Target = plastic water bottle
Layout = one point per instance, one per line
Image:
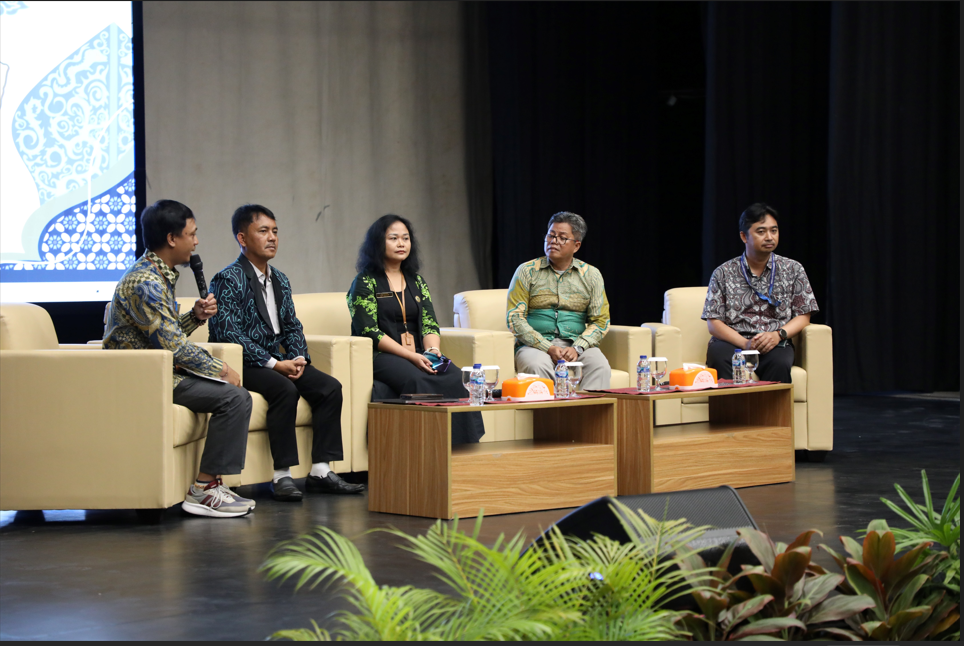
(643, 381)
(739, 367)
(562, 379)
(477, 385)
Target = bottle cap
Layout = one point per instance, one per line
(476, 366)
(739, 350)
(560, 361)
(642, 356)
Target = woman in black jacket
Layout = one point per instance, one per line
(390, 304)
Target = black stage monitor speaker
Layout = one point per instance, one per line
(720, 507)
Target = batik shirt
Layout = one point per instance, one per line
(143, 316)
(737, 303)
(536, 286)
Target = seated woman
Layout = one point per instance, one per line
(390, 304)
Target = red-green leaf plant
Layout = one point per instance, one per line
(791, 598)
(905, 607)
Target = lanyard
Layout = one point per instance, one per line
(773, 272)
(401, 303)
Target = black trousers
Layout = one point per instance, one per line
(403, 377)
(323, 394)
(774, 365)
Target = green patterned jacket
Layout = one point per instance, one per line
(143, 316)
(368, 320)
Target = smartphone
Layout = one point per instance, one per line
(439, 364)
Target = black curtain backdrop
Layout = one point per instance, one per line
(478, 135)
(579, 125)
(844, 117)
(767, 98)
(894, 196)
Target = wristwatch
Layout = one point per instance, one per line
(783, 334)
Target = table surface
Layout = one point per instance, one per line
(689, 394)
(593, 400)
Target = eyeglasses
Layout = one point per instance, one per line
(552, 237)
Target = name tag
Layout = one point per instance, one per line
(384, 295)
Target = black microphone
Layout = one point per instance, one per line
(198, 268)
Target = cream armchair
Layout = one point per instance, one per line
(85, 428)
(327, 327)
(480, 328)
(330, 354)
(682, 337)
(485, 309)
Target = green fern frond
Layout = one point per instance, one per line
(302, 635)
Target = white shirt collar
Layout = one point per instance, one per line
(260, 274)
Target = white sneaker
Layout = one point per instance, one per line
(212, 502)
(234, 494)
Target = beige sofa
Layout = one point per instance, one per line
(327, 325)
(332, 353)
(682, 337)
(85, 428)
(98, 417)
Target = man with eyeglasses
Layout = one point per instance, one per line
(557, 307)
(757, 301)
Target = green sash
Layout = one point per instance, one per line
(546, 322)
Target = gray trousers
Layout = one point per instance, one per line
(230, 408)
(595, 371)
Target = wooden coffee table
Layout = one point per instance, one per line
(414, 470)
(747, 441)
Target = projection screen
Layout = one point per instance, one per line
(66, 150)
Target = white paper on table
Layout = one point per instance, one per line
(689, 366)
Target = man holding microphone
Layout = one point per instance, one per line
(144, 315)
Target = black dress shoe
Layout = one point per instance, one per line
(286, 491)
(331, 483)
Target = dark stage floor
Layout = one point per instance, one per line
(101, 575)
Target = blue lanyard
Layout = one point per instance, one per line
(773, 272)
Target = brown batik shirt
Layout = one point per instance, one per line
(731, 299)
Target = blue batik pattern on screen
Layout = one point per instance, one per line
(94, 242)
(8, 8)
(74, 132)
(79, 121)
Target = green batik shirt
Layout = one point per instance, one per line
(363, 308)
(143, 316)
(536, 286)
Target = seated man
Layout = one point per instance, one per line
(557, 308)
(143, 315)
(757, 301)
(257, 312)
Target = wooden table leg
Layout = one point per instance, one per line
(410, 458)
(634, 446)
